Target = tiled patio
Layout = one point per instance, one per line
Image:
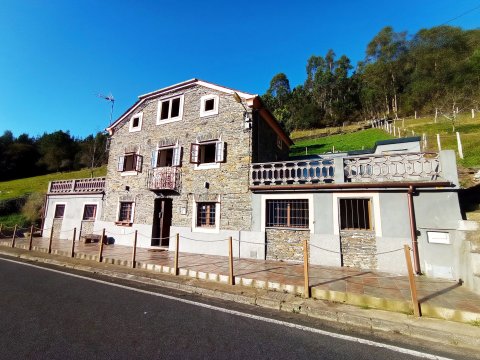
(366, 288)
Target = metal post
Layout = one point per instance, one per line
(50, 241)
(413, 230)
(100, 253)
(230, 262)
(72, 253)
(306, 282)
(175, 264)
(134, 252)
(411, 279)
(13, 236)
(31, 239)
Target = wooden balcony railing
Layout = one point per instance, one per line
(395, 167)
(77, 186)
(292, 172)
(164, 178)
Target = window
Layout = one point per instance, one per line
(166, 157)
(89, 212)
(208, 105)
(170, 110)
(209, 152)
(59, 211)
(125, 213)
(355, 214)
(136, 122)
(206, 214)
(287, 213)
(130, 162)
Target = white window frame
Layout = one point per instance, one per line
(132, 216)
(201, 229)
(203, 100)
(175, 148)
(138, 158)
(374, 216)
(169, 119)
(96, 211)
(138, 116)
(55, 210)
(211, 165)
(311, 215)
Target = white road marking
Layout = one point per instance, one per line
(246, 315)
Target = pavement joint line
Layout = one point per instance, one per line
(375, 323)
(247, 315)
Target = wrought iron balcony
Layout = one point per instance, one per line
(164, 178)
(77, 186)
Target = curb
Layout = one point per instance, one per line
(376, 322)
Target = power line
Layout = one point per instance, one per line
(459, 16)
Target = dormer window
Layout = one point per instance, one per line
(209, 105)
(170, 110)
(136, 122)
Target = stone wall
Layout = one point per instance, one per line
(358, 249)
(87, 228)
(264, 143)
(57, 228)
(285, 244)
(228, 183)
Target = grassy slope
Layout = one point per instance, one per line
(342, 142)
(16, 188)
(468, 128)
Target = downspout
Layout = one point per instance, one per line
(413, 230)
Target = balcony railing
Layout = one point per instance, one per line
(362, 168)
(164, 178)
(77, 186)
(396, 167)
(292, 172)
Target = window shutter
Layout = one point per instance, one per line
(153, 163)
(194, 153)
(121, 163)
(177, 153)
(139, 162)
(220, 151)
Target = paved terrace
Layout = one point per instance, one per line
(438, 298)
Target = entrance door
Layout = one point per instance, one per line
(162, 220)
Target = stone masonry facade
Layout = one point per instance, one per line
(285, 244)
(228, 183)
(358, 249)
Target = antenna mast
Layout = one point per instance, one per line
(112, 101)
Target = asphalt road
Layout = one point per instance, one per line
(50, 315)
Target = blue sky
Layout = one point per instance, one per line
(55, 56)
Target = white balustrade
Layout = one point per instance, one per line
(87, 185)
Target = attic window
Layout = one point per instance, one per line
(209, 105)
(170, 110)
(136, 122)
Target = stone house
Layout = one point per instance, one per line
(208, 162)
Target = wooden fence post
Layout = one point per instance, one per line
(50, 241)
(1, 226)
(459, 145)
(134, 252)
(231, 279)
(411, 279)
(30, 240)
(14, 235)
(72, 253)
(306, 282)
(438, 143)
(175, 263)
(100, 253)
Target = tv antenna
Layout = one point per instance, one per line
(112, 101)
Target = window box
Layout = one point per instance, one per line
(170, 110)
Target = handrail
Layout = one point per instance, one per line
(86, 185)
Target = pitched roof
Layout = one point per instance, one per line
(179, 86)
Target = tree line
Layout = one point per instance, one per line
(435, 71)
(26, 156)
